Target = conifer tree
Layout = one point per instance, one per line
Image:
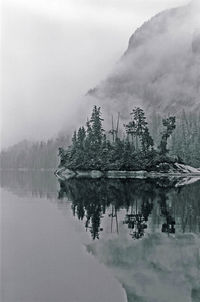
(61, 153)
(74, 138)
(81, 138)
(146, 140)
(140, 123)
(170, 124)
(137, 125)
(130, 129)
(96, 127)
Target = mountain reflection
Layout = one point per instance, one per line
(146, 205)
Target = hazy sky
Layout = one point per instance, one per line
(53, 51)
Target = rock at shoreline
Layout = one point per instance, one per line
(126, 174)
(162, 170)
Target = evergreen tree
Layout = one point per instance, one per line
(140, 123)
(105, 150)
(137, 125)
(81, 138)
(130, 129)
(170, 124)
(96, 128)
(127, 159)
(74, 139)
(146, 140)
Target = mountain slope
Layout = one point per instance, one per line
(160, 69)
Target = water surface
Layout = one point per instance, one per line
(98, 240)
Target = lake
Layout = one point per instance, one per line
(86, 240)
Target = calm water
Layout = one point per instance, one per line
(98, 240)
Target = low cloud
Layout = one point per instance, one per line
(53, 52)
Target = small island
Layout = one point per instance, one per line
(121, 153)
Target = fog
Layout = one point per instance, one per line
(160, 70)
(54, 51)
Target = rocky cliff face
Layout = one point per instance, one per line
(160, 69)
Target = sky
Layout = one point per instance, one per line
(54, 51)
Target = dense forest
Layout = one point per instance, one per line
(183, 143)
(131, 149)
(33, 155)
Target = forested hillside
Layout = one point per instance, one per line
(29, 155)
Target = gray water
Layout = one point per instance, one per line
(98, 240)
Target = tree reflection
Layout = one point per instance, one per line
(137, 220)
(146, 202)
(113, 216)
(169, 225)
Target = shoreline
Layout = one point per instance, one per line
(64, 174)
